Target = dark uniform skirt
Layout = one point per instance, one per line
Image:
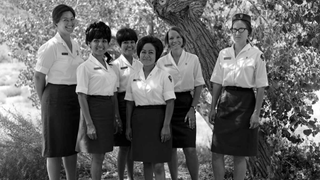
(231, 134)
(120, 139)
(60, 114)
(147, 122)
(101, 110)
(182, 135)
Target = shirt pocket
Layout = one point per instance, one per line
(62, 61)
(248, 66)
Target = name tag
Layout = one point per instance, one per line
(97, 68)
(65, 53)
(227, 58)
(136, 79)
(125, 67)
(168, 65)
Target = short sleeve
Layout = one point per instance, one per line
(129, 96)
(198, 78)
(82, 79)
(261, 76)
(168, 87)
(45, 58)
(217, 74)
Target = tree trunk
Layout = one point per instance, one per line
(186, 14)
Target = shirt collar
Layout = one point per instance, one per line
(124, 59)
(96, 62)
(247, 47)
(152, 73)
(182, 57)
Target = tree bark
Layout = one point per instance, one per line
(186, 14)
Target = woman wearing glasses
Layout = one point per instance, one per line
(238, 70)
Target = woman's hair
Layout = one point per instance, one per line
(179, 31)
(152, 40)
(59, 10)
(98, 30)
(246, 19)
(126, 34)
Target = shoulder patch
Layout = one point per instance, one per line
(170, 78)
(262, 57)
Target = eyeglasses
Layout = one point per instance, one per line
(66, 20)
(240, 30)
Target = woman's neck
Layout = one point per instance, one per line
(147, 70)
(176, 54)
(100, 59)
(129, 58)
(238, 47)
(65, 36)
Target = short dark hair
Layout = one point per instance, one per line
(245, 18)
(98, 30)
(179, 31)
(59, 10)
(152, 40)
(126, 34)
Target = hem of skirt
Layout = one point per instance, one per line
(122, 145)
(59, 155)
(235, 154)
(148, 161)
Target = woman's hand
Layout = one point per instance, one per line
(91, 132)
(212, 116)
(117, 125)
(129, 133)
(191, 117)
(254, 121)
(165, 134)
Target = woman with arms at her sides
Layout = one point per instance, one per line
(185, 69)
(124, 66)
(238, 70)
(150, 100)
(55, 82)
(97, 83)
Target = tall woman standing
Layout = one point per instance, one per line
(185, 69)
(96, 88)
(55, 82)
(239, 69)
(150, 100)
(124, 66)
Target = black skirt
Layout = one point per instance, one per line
(182, 135)
(147, 123)
(231, 134)
(120, 138)
(60, 114)
(101, 110)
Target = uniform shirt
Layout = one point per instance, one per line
(247, 70)
(186, 74)
(95, 79)
(55, 59)
(155, 90)
(124, 69)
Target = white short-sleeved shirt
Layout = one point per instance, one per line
(55, 59)
(187, 74)
(247, 70)
(157, 88)
(95, 79)
(124, 69)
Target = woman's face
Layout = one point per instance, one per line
(148, 55)
(66, 23)
(240, 32)
(128, 47)
(175, 40)
(99, 47)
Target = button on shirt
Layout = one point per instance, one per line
(55, 59)
(124, 69)
(186, 74)
(95, 79)
(155, 90)
(247, 70)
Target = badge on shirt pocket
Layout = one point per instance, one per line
(125, 67)
(168, 65)
(136, 79)
(97, 68)
(64, 53)
(227, 58)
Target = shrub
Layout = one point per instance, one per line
(12, 91)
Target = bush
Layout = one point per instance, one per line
(12, 91)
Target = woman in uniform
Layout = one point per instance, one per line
(124, 66)
(55, 83)
(238, 70)
(185, 69)
(97, 83)
(150, 100)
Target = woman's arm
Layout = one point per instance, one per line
(130, 105)
(91, 130)
(40, 83)
(117, 119)
(255, 118)
(165, 132)
(216, 91)
(191, 113)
